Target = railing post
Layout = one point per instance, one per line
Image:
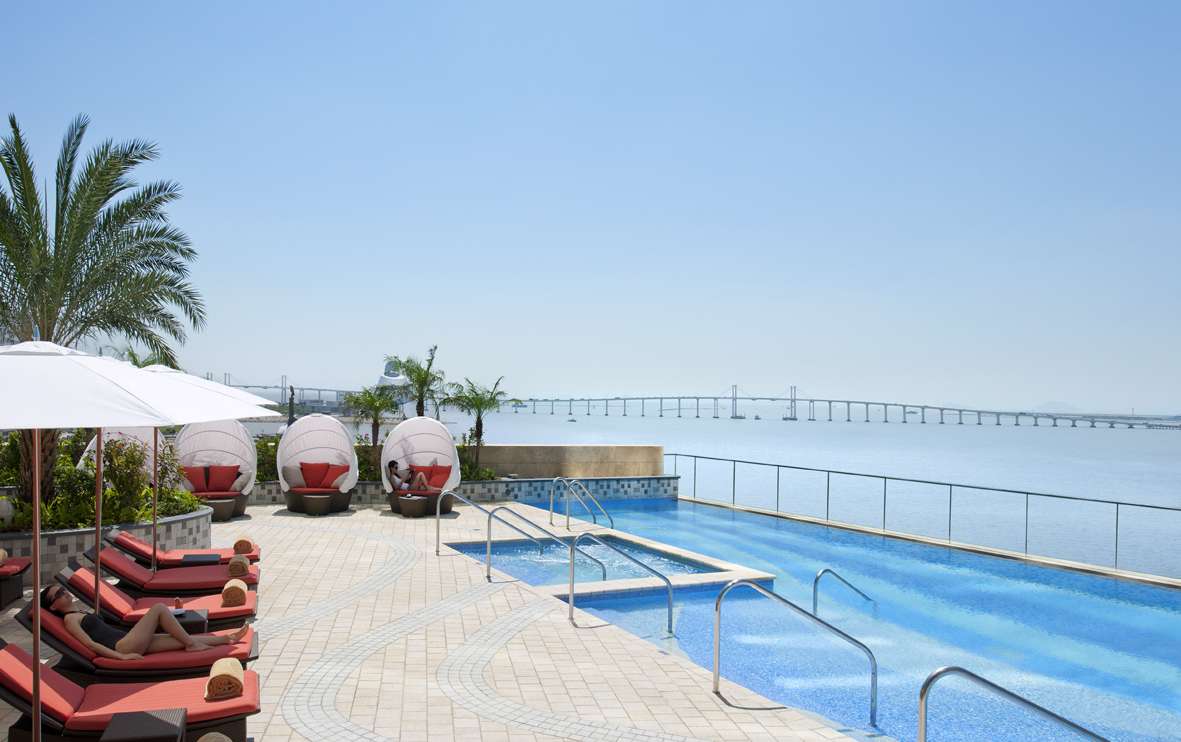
(777, 470)
(1117, 535)
(827, 493)
(884, 481)
(949, 513)
(1027, 523)
(694, 477)
(733, 482)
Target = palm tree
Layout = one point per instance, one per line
(373, 403)
(477, 400)
(137, 359)
(425, 383)
(105, 263)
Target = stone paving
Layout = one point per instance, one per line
(367, 635)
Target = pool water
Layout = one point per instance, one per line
(550, 565)
(1103, 652)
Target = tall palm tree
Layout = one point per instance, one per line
(139, 360)
(424, 381)
(106, 262)
(373, 403)
(477, 400)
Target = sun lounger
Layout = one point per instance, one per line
(79, 659)
(179, 581)
(120, 608)
(70, 711)
(141, 551)
(12, 579)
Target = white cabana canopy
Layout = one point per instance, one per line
(312, 439)
(420, 441)
(223, 443)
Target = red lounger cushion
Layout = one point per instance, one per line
(335, 471)
(59, 696)
(196, 477)
(313, 473)
(101, 701)
(222, 478)
(14, 566)
(82, 581)
(211, 603)
(313, 490)
(180, 658)
(143, 550)
(212, 577)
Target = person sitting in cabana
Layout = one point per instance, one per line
(410, 480)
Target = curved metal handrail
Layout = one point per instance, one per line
(834, 573)
(595, 500)
(570, 597)
(438, 512)
(551, 536)
(873, 662)
(551, 496)
(1003, 692)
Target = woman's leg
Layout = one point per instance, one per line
(158, 618)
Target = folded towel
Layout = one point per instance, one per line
(226, 680)
(214, 737)
(239, 566)
(233, 594)
(243, 546)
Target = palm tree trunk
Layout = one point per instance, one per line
(49, 441)
(420, 406)
(373, 442)
(479, 438)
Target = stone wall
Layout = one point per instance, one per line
(188, 531)
(604, 488)
(576, 460)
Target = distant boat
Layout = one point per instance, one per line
(572, 420)
(519, 405)
(758, 418)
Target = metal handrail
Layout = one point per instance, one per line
(873, 662)
(551, 497)
(1003, 692)
(667, 582)
(833, 572)
(438, 512)
(560, 542)
(569, 491)
(593, 499)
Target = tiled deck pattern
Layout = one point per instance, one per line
(367, 635)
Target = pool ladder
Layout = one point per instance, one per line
(492, 515)
(572, 488)
(667, 582)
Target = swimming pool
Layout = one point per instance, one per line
(1103, 652)
(550, 565)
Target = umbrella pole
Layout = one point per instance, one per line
(98, 514)
(37, 585)
(155, 488)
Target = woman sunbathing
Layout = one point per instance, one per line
(133, 644)
(413, 480)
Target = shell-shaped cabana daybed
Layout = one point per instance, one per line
(316, 447)
(421, 444)
(219, 460)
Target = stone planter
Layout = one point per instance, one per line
(188, 531)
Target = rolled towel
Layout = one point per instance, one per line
(214, 737)
(226, 680)
(243, 546)
(233, 594)
(3, 556)
(239, 566)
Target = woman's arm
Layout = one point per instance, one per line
(74, 626)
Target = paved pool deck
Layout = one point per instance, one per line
(366, 634)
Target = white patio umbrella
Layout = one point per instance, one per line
(197, 381)
(46, 386)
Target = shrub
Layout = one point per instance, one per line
(172, 501)
(265, 446)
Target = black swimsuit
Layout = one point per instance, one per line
(100, 631)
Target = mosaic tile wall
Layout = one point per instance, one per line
(604, 488)
(188, 531)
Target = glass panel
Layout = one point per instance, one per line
(988, 518)
(755, 486)
(1148, 540)
(801, 492)
(921, 509)
(1069, 529)
(856, 500)
(714, 479)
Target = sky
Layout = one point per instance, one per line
(958, 203)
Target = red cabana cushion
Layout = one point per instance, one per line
(221, 478)
(196, 477)
(101, 701)
(14, 566)
(313, 473)
(60, 698)
(334, 473)
(438, 476)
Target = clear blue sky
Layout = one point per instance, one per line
(945, 202)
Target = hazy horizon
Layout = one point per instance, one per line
(969, 203)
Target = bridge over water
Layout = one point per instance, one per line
(830, 410)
